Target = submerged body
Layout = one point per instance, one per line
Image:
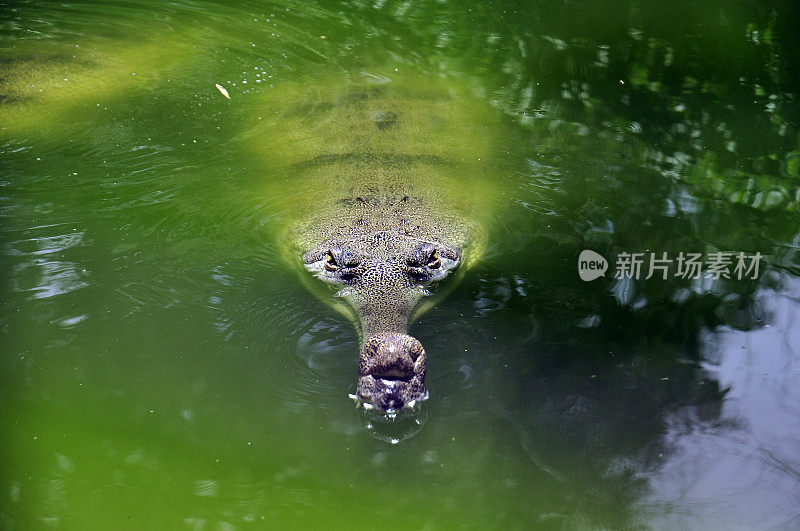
(47, 85)
(387, 177)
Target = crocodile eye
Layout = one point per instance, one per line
(434, 261)
(330, 262)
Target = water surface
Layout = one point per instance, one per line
(163, 364)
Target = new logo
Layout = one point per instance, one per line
(591, 265)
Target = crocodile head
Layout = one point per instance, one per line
(383, 276)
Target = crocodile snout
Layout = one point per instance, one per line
(391, 370)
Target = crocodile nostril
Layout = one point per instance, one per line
(390, 357)
(397, 371)
(391, 370)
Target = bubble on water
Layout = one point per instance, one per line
(392, 427)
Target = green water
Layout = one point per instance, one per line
(163, 366)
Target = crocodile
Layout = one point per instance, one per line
(387, 177)
(48, 85)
